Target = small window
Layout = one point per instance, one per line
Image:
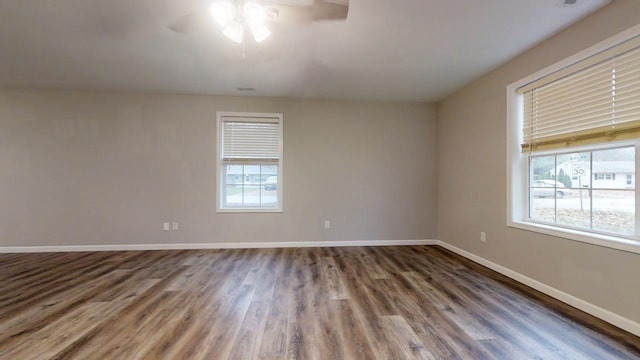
(249, 162)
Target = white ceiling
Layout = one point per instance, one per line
(407, 50)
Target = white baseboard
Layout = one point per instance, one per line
(191, 246)
(606, 315)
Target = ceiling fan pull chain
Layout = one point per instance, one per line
(243, 51)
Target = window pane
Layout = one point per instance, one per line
(614, 168)
(543, 167)
(542, 205)
(573, 208)
(614, 211)
(252, 195)
(542, 208)
(573, 205)
(234, 185)
(573, 171)
(251, 186)
(270, 186)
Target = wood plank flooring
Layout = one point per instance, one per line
(415, 302)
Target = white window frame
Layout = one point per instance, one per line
(518, 167)
(221, 175)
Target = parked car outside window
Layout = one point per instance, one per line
(549, 188)
(271, 183)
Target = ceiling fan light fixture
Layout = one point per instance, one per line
(260, 32)
(254, 13)
(234, 31)
(233, 19)
(223, 12)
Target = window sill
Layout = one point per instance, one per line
(611, 242)
(249, 210)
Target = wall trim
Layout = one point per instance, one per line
(603, 314)
(195, 246)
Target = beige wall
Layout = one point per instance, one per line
(472, 179)
(100, 168)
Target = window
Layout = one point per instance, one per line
(574, 132)
(604, 176)
(603, 206)
(249, 162)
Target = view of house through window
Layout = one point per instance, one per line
(587, 190)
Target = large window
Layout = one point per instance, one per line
(249, 162)
(574, 137)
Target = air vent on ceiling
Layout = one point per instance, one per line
(246, 89)
(567, 2)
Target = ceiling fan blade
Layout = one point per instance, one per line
(320, 10)
(292, 14)
(297, 12)
(330, 10)
(190, 23)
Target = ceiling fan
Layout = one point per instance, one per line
(234, 16)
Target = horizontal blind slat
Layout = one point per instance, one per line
(598, 98)
(603, 75)
(622, 49)
(251, 139)
(549, 114)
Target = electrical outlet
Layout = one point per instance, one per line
(165, 226)
(327, 224)
(174, 226)
(483, 236)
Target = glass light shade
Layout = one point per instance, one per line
(260, 32)
(234, 31)
(223, 12)
(254, 13)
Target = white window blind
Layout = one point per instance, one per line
(251, 140)
(593, 101)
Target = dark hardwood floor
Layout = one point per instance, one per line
(322, 303)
